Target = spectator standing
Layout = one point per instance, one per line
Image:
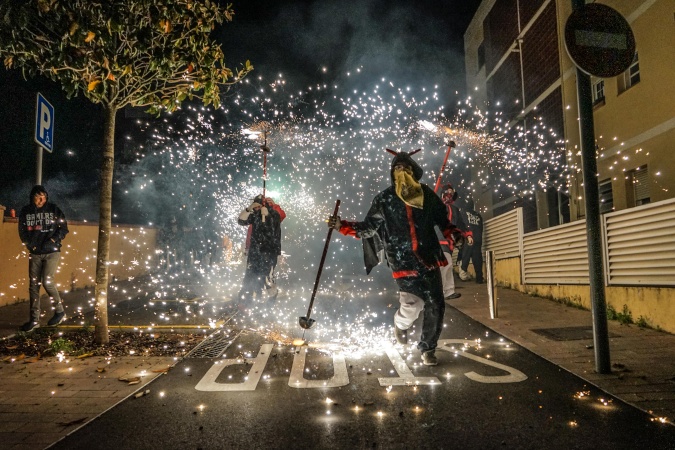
(474, 253)
(42, 227)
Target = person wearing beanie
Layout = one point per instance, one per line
(42, 227)
(403, 218)
(263, 217)
(449, 195)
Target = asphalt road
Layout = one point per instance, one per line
(349, 387)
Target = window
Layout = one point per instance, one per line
(630, 77)
(638, 180)
(606, 196)
(598, 86)
(481, 55)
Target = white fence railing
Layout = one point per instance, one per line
(557, 255)
(638, 247)
(504, 234)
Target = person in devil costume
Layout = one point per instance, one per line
(264, 247)
(402, 218)
(449, 195)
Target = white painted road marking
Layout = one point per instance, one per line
(340, 375)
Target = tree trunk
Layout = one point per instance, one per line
(104, 222)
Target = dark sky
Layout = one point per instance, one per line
(418, 42)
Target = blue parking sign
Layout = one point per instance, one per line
(44, 123)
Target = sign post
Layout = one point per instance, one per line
(600, 42)
(44, 132)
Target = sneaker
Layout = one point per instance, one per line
(453, 295)
(57, 319)
(429, 358)
(29, 326)
(401, 335)
(463, 275)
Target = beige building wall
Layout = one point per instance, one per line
(132, 253)
(653, 306)
(635, 127)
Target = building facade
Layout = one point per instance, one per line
(516, 62)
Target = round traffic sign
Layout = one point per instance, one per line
(599, 40)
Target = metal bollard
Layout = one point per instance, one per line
(491, 283)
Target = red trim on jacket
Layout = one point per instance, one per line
(411, 226)
(405, 273)
(282, 214)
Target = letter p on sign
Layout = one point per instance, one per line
(44, 123)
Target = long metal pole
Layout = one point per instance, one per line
(323, 260)
(38, 166)
(593, 230)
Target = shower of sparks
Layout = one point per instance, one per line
(198, 169)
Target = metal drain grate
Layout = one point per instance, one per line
(568, 333)
(214, 345)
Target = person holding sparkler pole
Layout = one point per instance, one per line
(264, 217)
(403, 217)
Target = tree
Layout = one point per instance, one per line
(117, 53)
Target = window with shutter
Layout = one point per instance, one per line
(640, 178)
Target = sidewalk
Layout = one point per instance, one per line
(643, 360)
(43, 400)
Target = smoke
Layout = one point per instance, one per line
(322, 41)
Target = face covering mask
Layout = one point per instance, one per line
(408, 189)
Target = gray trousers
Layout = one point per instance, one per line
(41, 270)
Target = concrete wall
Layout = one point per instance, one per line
(654, 305)
(132, 253)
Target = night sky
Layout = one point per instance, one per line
(307, 42)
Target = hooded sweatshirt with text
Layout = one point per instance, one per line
(42, 229)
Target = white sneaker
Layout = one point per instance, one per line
(463, 275)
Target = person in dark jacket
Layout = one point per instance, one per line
(42, 227)
(403, 217)
(474, 253)
(264, 247)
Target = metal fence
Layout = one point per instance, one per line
(638, 247)
(504, 234)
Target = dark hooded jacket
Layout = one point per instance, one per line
(265, 236)
(455, 217)
(407, 234)
(42, 229)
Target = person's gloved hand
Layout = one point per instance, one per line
(264, 211)
(334, 222)
(253, 206)
(458, 238)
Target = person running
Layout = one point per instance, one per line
(403, 217)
